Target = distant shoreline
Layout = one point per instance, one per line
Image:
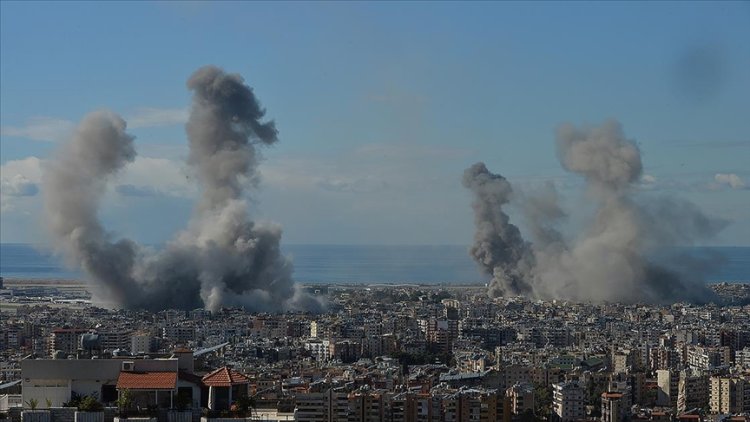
(17, 281)
(374, 265)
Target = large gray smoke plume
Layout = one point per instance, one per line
(612, 260)
(223, 258)
(498, 245)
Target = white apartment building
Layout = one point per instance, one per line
(568, 402)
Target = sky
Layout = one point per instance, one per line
(381, 106)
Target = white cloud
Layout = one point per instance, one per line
(147, 176)
(54, 129)
(29, 167)
(729, 179)
(410, 151)
(41, 128)
(18, 179)
(648, 179)
(18, 185)
(366, 184)
(151, 117)
(371, 168)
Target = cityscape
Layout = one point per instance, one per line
(402, 211)
(379, 353)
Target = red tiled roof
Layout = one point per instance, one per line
(224, 377)
(147, 380)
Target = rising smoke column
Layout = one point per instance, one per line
(222, 258)
(612, 259)
(498, 246)
(73, 184)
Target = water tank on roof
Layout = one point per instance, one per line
(59, 354)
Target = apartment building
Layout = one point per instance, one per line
(729, 394)
(568, 402)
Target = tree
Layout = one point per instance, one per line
(124, 401)
(542, 400)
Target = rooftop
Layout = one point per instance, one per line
(225, 377)
(147, 380)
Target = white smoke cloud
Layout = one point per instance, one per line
(730, 179)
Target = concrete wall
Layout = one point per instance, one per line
(70, 368)
(156, 365)
(57, 379)
(62, 414)
(196, 393)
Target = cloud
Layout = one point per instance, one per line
(148, 176)
(374, 167)
(29, 167)
(711, 144)
(152, 117)
(648, 179)
(18, 179)
(413, 151)
(367, 184)
(136, 191)
(41, 128)
(55, 129)
(729, 179)
(18, 185)
(144, 177)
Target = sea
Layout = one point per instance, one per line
(355, 264)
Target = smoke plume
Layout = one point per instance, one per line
(613, 258)
(498, 245)
(222, 258)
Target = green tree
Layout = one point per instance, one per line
(542, 400)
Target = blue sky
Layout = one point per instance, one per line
(380, 106)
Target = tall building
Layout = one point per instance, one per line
(613, 407)
(470, 405)
(742, 357)
(521, 398)
(367, 406)
(707, 358)
(692, 391)
(319, 349)
(312, 407)
(141, 343)
(729, 395)
(66, 339)
(568, 402)
(413, 407)
(667, 381)
(115, 339)
(439, 333)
